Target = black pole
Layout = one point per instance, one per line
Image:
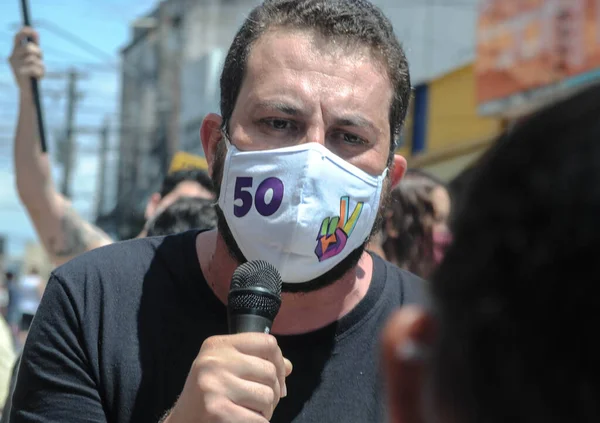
(34, 85)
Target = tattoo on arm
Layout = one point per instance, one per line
(77, 236)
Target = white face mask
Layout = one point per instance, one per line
(302, 208)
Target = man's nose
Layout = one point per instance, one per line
(314, 133)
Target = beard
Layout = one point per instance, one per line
(328, 278)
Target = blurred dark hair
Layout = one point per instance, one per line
(184, 214)
(514, 294)
(355, 22)
(194, 175)
(410, 217)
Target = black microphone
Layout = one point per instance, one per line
(254, 297)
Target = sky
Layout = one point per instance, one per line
(101, 24)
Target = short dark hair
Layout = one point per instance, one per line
(514, 293)
(355, 21)
(184, 214)
(193, 175)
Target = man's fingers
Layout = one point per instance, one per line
(261, 371)
(25, 33)
(34, 71)
(30, 50)
(254, 396)
(256, 344)
(32, 61)
(288, 367)
(265, 347)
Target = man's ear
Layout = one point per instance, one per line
(210, 135)
(406, 342)
(398, 169)
(152, 205)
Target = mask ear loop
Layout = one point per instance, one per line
(226, 137)
(229, 146)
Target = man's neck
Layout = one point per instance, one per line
(299, 313)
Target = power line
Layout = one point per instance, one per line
(86, 150)
(108, 59)
(86, 66)
(75, 40)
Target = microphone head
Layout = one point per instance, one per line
(255, 289)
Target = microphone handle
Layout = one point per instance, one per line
(241, 323)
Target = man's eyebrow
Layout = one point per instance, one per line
(281, 106)
(356, 121)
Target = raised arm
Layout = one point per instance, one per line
(61, 230)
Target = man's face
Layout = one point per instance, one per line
(299, 88)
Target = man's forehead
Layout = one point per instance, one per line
(289, 61)
(309, 44)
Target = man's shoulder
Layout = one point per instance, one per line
(413, 289)
(112, 254)
(125, 260)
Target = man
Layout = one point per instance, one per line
(512, 336)
(61, 230)
(184, 214)
(10, 287)
(314, 92)
(30, 290)
(7, 358)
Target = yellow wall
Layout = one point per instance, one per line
(452, 115)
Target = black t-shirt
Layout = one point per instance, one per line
(119, 327)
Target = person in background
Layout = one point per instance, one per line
(7, 347)
(415, 230)
(7, 359)
(184, 214)
(62, 231)
(30, 288)
(512, 332)
(189, 183)
(5, 294)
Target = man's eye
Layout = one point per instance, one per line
(351, 139)
(279, 124)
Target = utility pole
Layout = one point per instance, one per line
(69, 142)
(103, 153)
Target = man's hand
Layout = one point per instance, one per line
(235, 378)
(26, 59)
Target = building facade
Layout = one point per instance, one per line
(447, 133)
(209, 28)
(149, 127)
